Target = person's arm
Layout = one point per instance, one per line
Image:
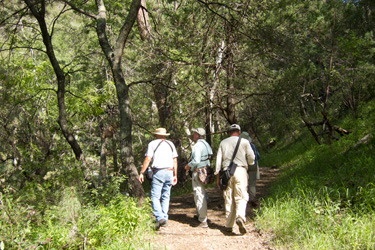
(195, 158)
(146, 162)
(250, 156)
(174, 182)
(218, 181)
(218, 166)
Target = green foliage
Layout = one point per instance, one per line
(325, 195)
(291, 59)
(104, 191)
(121, 224)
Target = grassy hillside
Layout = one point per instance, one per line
(325, 196)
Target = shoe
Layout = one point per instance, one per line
(229, 230)
(160, 223)
(203, 224)
(241, 225)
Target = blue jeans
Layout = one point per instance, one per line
(160, 193)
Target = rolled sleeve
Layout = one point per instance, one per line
(219, 159)
(250, 156)
(195, 158)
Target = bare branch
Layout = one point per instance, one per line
(74, 7)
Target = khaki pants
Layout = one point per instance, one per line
(236, 197)
(199, 198)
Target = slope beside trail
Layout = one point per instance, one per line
(183, 233)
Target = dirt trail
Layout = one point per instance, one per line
(183, 233)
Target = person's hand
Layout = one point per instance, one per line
(141, 178)
(174, 182)
(187, 167)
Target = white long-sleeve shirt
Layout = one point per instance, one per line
(244, 157)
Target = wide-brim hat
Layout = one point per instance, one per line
(246, 136)
(160, 131)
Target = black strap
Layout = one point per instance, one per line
(158, 147)
(235, 150)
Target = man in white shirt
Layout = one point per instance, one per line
(163, 154)
(235, 195)
(200, 158)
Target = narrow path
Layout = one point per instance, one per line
(183, 233)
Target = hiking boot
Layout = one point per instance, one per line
(164, 225)
(241, 225)
(160, 223)
(203, 224)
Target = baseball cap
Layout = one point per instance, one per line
(234, 127)
(199, 131)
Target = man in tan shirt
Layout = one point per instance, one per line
(235, 195)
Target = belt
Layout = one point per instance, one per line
(164, 169)
(197, 169)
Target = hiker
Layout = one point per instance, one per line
(163, 154)
(253, 170)
(235, 194)
(200, 159)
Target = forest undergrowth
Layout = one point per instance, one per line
(325, 196)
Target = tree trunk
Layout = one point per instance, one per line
(103, 157)
(211, 94)
(114, 59)
(39, 14)
(230, 110)
(304, 115)
(161, 91)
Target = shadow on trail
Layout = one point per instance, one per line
(183, 207)
(183, 215)
(183, 231)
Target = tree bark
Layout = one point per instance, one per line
(161, 91)
(309, 125)
(210, 128)
(231, 105)
(103, 157)
(114, 59)
(39, 14)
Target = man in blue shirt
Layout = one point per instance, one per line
(200, 158)
(253, 170)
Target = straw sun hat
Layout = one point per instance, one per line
(160, 131)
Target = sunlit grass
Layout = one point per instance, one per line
(325, 196)
(120, 224)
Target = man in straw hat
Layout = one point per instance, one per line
(235, 195)
(163, 155)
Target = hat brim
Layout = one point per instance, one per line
(160, 133)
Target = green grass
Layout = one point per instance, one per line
(120, 224)
(325, 196)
